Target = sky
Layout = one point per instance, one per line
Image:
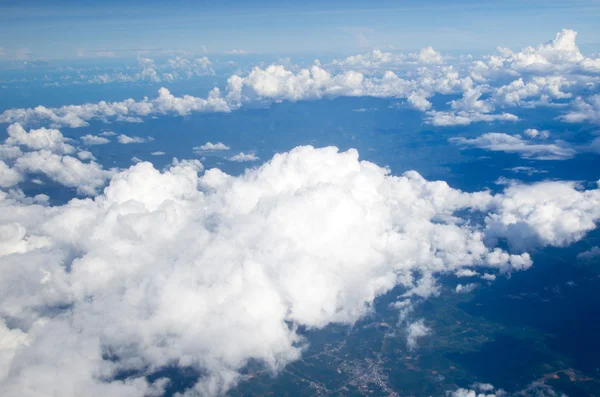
(39, 30)
(200, 186)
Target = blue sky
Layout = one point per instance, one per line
(39, 30)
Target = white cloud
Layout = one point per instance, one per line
(444, 119)
(8, 176)
(542, 76)
(414, 331)
(94, 140)
(500, 142)
(159, 153)
(220, 269)
(125, 139)
(534, 389)
(43, 138)
(75, 116)
(465, 289)
(211, 147)
(243, 157)
(377, 59)
(69, 171)
(45, 151)
(535, 133)
(547, 213)
(488, 277)
(584, 110)
(85, 155)
(192, 67)
(518, 92)
(430, 56)
(558, 55)
(466, 273)
(419, 101)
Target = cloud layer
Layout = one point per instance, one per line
(211, 271)
(552, 74)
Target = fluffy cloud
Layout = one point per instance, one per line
(75, 116)
(69, 171)
(547, 213)
(558, 55)
(46, 152)
(243, 157)
(126, 139)
(443, 119)
(534, 133)
(43, 138)
(8, 176)
(94, 140)
(535, 389)
(488, 277)
(191, 67)
(377, 59)
(211, 147)
(584, 110)
(414, 331)
(466, 273)
(466, 288)
(546, 76)
(276, 83)
(500, 142)
(211, 271)
(177, 68)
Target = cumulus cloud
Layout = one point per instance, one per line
(584, 110)
(174, 69)
(377, 60)
(547, 213)
(159, 153)
(501, 142)
(94, 140)
(191, 67)
(69, 171)
(466, 273)
(547, 75)
(559, 55)
(46, 151)
(85, 155)
(211, 271)
(75, 116)
(43, 138)
(535, 133)
(414, 331)
(483, 88)
(243, 157)
(443, 119)
(9, 177)
(211, 147)
(126, 139)
(535, 389)
(465, 288)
